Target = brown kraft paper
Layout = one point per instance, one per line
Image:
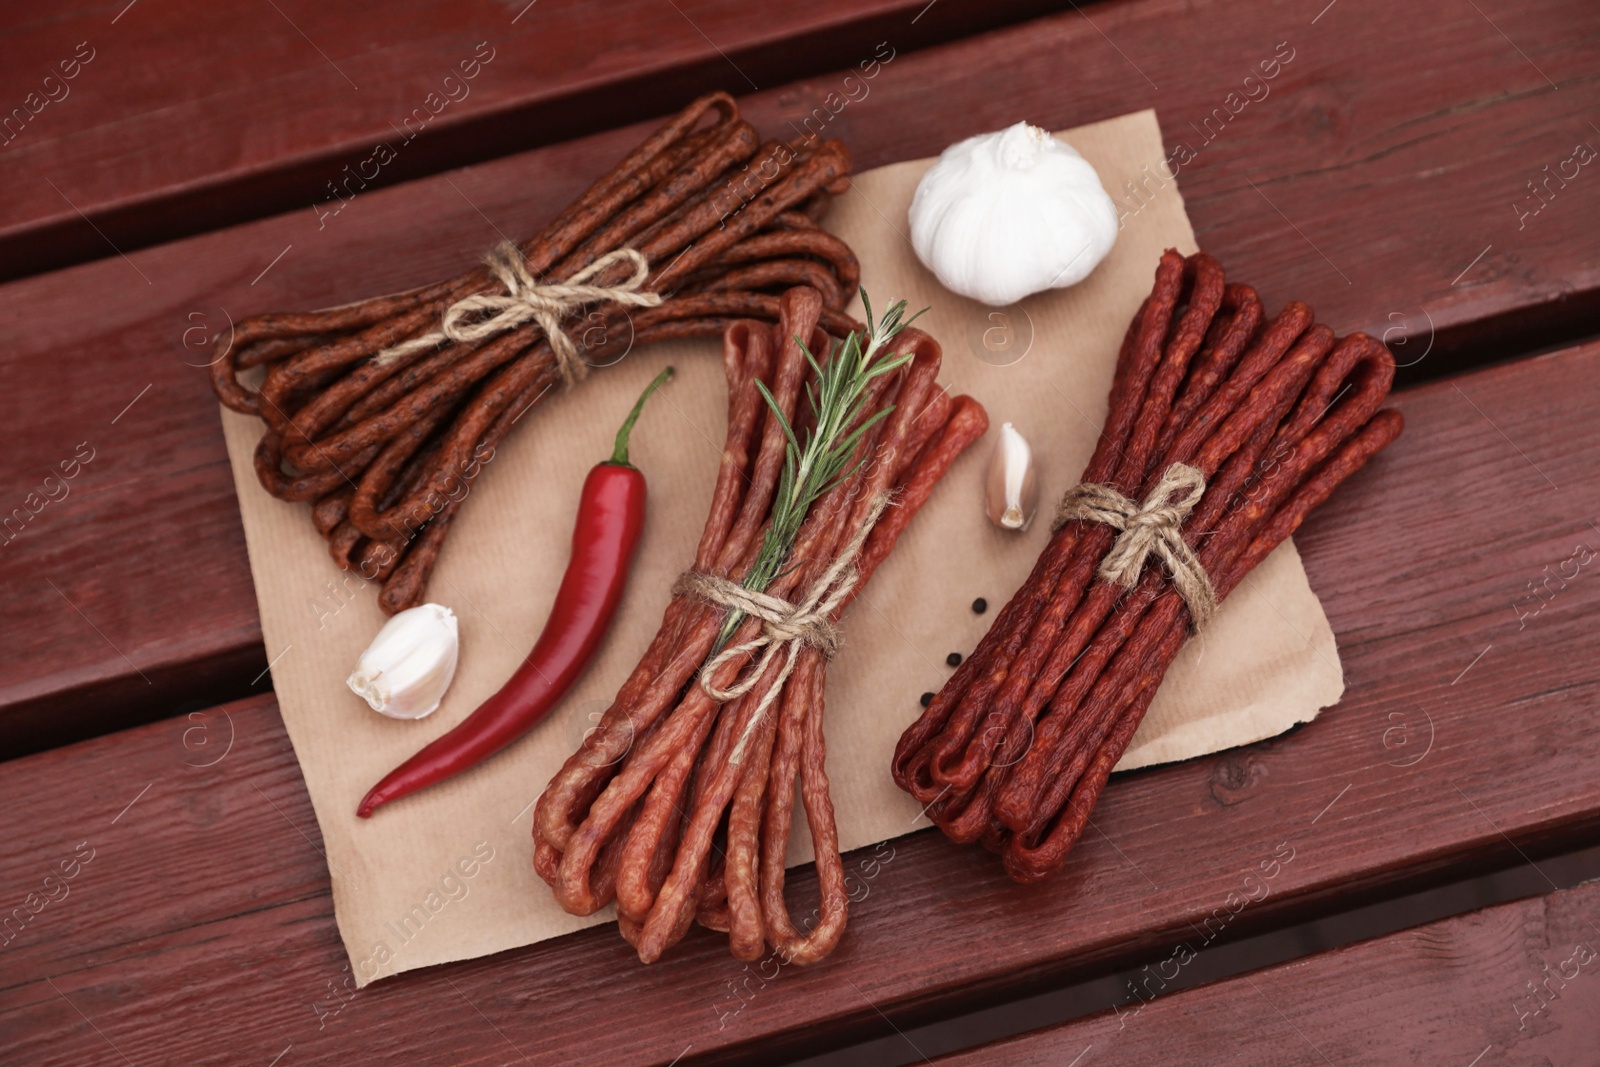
(447, 874)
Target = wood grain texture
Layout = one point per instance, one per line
(1365, 187)
(202, 930)
(1511, 984)
(1400, 175)
(192, 115)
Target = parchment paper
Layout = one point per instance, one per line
(446, 875)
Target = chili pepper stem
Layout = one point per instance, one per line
(619, 456)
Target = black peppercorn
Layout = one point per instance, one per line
(954, 659)
(980, 606)
(927, 698)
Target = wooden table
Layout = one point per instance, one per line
(1403, 177)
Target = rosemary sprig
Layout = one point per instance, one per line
(837, 395)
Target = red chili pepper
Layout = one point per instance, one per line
(610, 519)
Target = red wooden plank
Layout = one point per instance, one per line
(1508, 984)
(1465, 731)
(180, 117)
(171, 590)
(1384, 194)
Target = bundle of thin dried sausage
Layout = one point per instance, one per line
(677, 806)
(1223, 432)
(383, 412)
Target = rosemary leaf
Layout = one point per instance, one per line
(837, 395)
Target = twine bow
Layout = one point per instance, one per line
(484, 315)
(785, 626)
(1155, 526)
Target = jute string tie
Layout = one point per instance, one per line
(484, 315)
(786, 627)
(1153, 527)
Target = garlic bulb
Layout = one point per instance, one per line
(1004, 215)
(409, 665)
(1011, 494)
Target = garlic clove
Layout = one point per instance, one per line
(1011, 492)
(1004, 215)
(405, 671)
